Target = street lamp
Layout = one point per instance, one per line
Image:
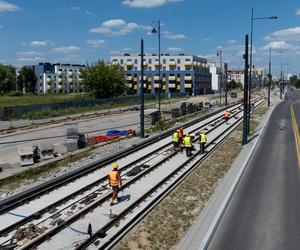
(219, 53)
(156, 30)
(250, 71)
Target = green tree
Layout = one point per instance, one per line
(26, 80)
(7, 78)
(104, 80)
(297, 83)
(293, 79)
(233, 85)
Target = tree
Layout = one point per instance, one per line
(7, 78)
(26, 80)
(297, 83)
(233, 85)
(104, 80)
(293, 79)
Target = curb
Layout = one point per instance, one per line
(201, 240)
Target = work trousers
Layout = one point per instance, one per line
(202, 147)
(115, 190)
(188, 151)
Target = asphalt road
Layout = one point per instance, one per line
(264, 212)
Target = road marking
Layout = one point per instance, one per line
(296, 132)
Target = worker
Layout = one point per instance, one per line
(115, 181)
(188, 145)
(180, 135)
(202, 141)
(226, 116)
(175, 139)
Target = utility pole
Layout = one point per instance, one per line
(142, 90)
(245, 117)
(270, 79)
(250, 73)
(281, 80)
(219, 53)
(225, 71)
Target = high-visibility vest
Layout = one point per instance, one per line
(114, 178)
(226, 114)
(202, 138)
(187, 142)
(175, 137)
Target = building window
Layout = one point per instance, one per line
(150, 61)
(135, 61)
(178, 60)
(150, 68)
(164, 61)
(135, 68)
(164, 68)
(178, 67)
(122, 61)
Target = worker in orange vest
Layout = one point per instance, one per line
(180, 134)
(226, 116)
(115, 181)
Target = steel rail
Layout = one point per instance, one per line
(74, 217)
(38, 214)
(30, 194)
(102, 232)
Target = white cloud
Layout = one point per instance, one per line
(29, 56)
(115, 52)
(75, 8)
(175, 50)
(292, 34)
(5, 6)
(39, 43)
(89, 13)
(279, 45)
(231, 42)
(116, 27)
(169, 35)
(147, 3)
(207, 39)
(66, 49)
(95, 43)
(298, 12)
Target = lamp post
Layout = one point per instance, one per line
(219, 53)
(250, 70)
(245, 117)
(156, 30)
(270, 79)
(142, 90)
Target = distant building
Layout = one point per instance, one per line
(237, 75)
(58, 78)
(217, 77)
(180, 74)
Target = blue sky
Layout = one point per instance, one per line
(77, 31)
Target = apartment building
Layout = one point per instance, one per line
(180, 74)
(237, 75)
(58, 78)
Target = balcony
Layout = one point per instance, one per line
(156, 78)
(172, 78)
(187, 85)
(178, 87)
(129, 85)
(178, 79)
(164, 79)
(145, 78)
(163, 87)
(156, 85)
(172, 64)
(172, 85)
(188, 64)
(188, 78)
(135, 87)
(129, 64)
(149, 79)
(135, 79)
(128, 78)
(150, 86)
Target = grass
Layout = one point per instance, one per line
(48, 113)
(166, 224)
(39, 99)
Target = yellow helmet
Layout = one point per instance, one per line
(187, 134)
(115, 166)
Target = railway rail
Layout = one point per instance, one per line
(62, 213)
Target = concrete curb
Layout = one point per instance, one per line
(202, 231)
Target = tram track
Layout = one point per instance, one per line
(69, 219)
